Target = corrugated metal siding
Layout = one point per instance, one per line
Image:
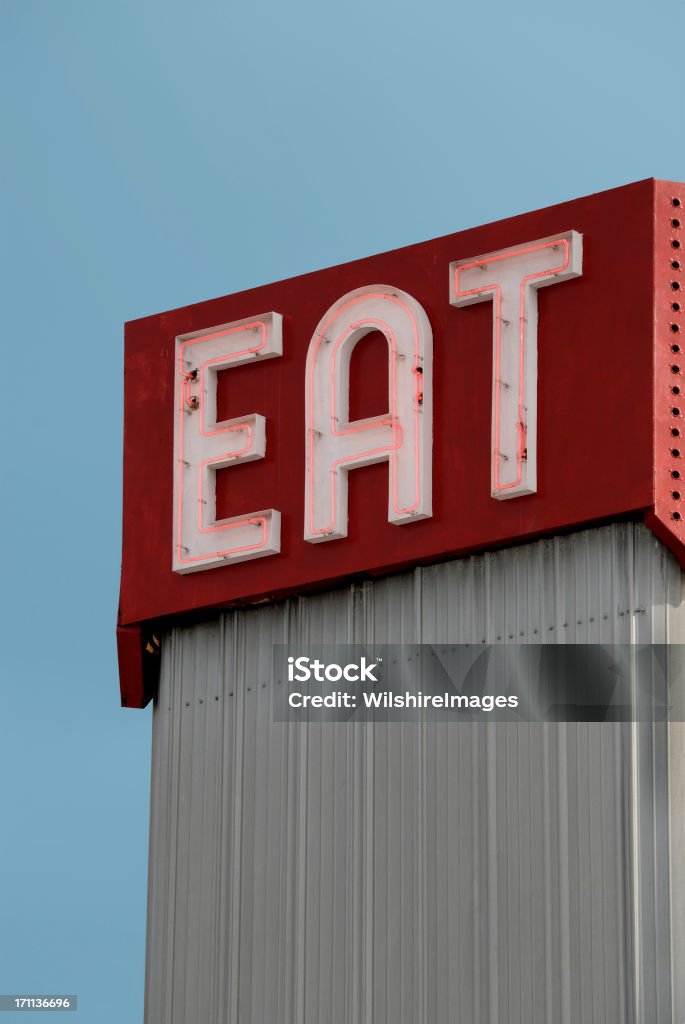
(414, 873)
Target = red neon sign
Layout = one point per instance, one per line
(281, 492)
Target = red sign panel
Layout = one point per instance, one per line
(487, 387)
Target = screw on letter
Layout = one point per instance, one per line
(193, 401)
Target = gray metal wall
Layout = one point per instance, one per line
(417, 873)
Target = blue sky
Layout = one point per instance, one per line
(158, 153)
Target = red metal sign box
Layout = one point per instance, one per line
(609, 419)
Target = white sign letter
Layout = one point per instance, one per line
(403, 437)
(511, 278)
(201, 446)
